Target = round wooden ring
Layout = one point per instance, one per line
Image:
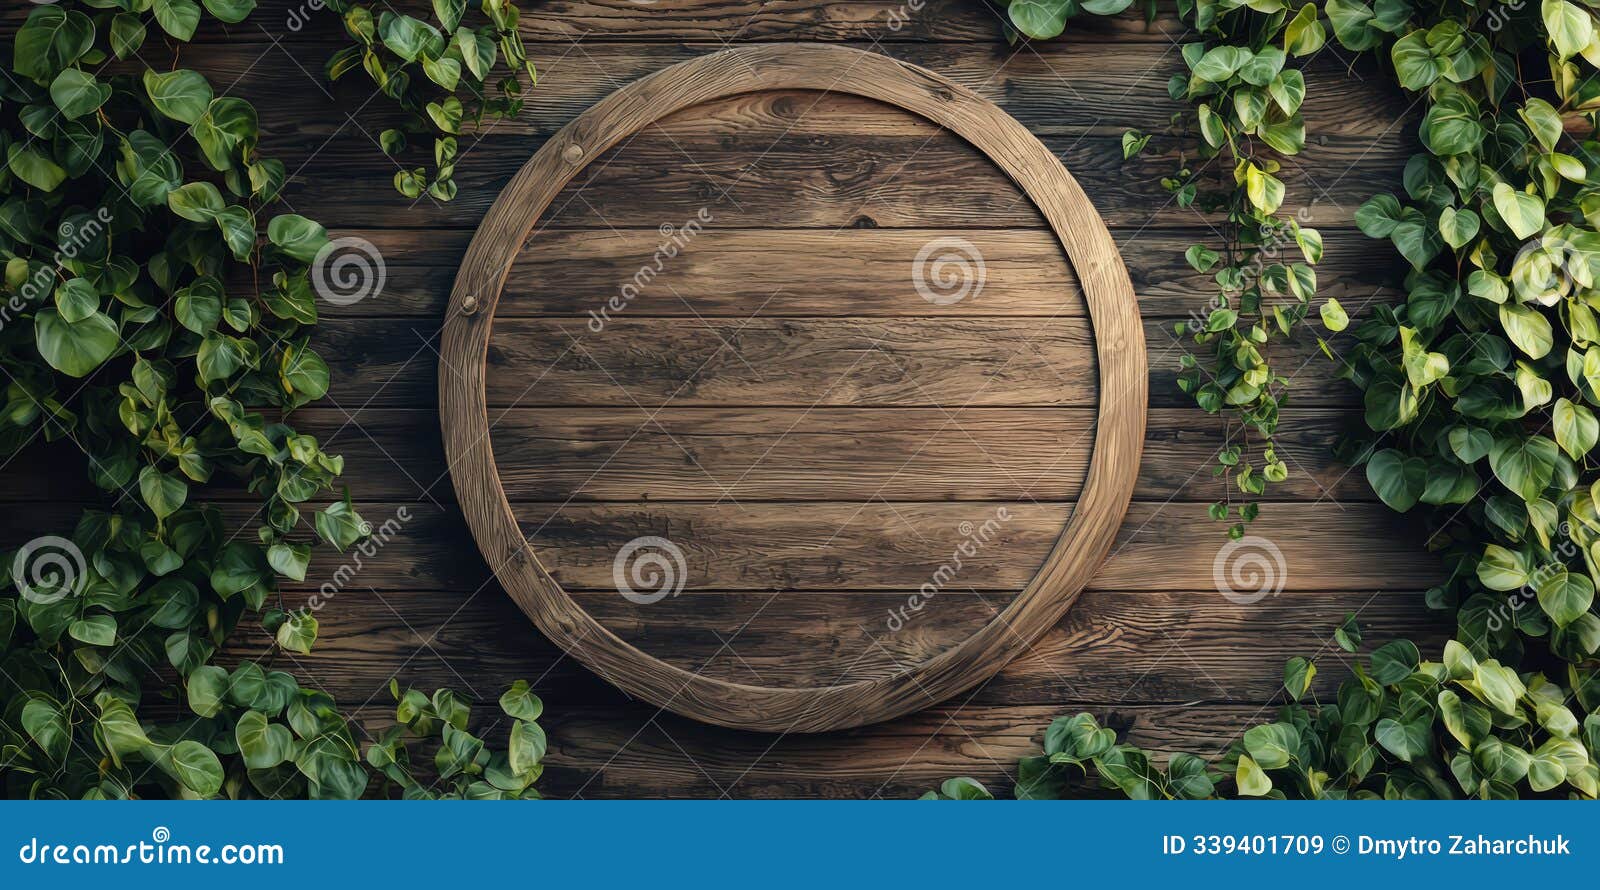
(1119, 346)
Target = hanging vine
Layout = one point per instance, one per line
(130, 204)
(1479, 391)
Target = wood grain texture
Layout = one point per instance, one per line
(553, 454)
(860, 181)
(1119, 348)
(392, 363)
(1327, 546)
(1147, 646)
(725, 272)
(1151, 662)
(1052, 88)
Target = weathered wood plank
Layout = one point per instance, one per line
(1161, 546)
(564, 21)
(394, 363)
(556, 453)
(762, 361)
(899, 546)
(1054, 88)
(1155, 646)
(822, 182)
(867, 273)
(857, 455)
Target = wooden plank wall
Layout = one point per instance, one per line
(1152, 647)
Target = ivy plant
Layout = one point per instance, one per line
(1479, 391)
(1400, 728)
(1243, 92)
(439, 72)
(155, 313)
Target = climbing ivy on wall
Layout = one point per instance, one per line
(155, 312)
(1479, 388)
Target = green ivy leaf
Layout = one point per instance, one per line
(1393, 662)
(298, 632)
(165, 494)
(94, 630)
(1565, 596)
(34, 168)
(1304, 35)
(75, 348)
(262, 744)
(1528, 329)
(1396, 479)
(1458, 226)
(48, 727)
(1297, 675)
(78, 93)
(290, 560)
(1576, 428)
(182, 95)
(1272, 745)
(207, 689)
(1522, 212)
(1333, 316)
(49, 41)
(1405, 739)
(298, 237)
(1568, 25)
(1524, 464)
(1251, 779)
(1038, 19)
(230, 11)
(195, 766)
(127, 34)
(519, 702)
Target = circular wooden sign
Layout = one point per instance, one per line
(1117, 421)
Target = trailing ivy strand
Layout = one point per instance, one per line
(1479, 391)
(157, 306)
(439, 73)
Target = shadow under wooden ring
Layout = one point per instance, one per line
(1119, 345)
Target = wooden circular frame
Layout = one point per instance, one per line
(1119, 343)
